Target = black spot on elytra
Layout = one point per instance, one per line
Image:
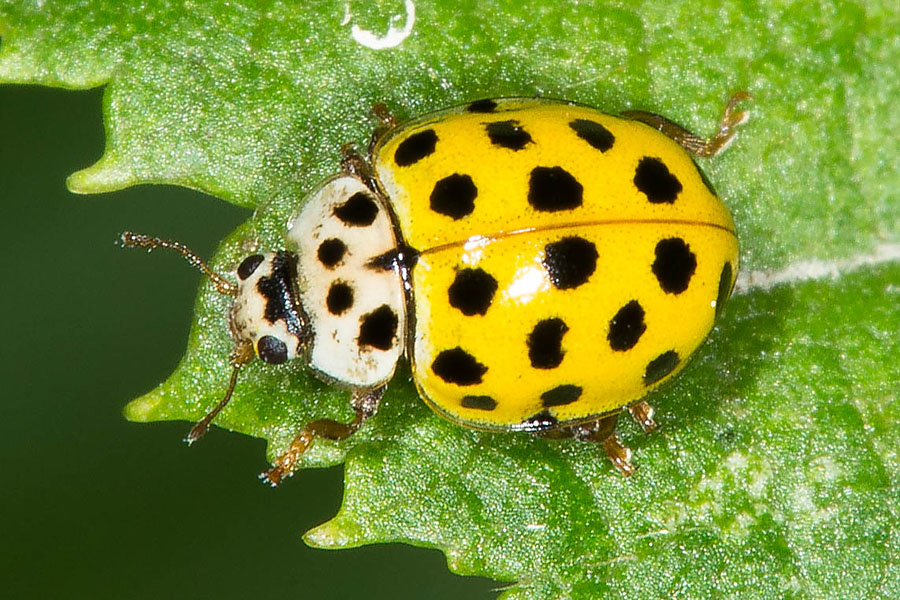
(249, 265)
(725, 287)
(508, 134)
(570, 262)
(540, 422)
(626, 327)
(340, 298)
(561, 395)
(674, 265)
(378, 328)
(661, 366)
(358, 211)
(552, 189)
(459, 367)
(478, 402)
(331, 252)
(482, 106)
(272, 350)
(593, 133)
(545, 343)
(454, 196)
(653, 178)
(415, 148)
(472, 291)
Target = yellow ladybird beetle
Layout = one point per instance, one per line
(541, 264)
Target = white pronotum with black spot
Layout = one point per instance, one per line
(356, 308)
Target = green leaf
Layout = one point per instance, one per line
(775, 473)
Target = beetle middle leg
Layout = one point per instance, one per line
(601, 431)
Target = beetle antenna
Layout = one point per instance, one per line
(137, 240)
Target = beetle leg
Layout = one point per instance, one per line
(354, 163)
(241, 355)
(619, 455)
(643, 414)
(603, 431)
(693, 143)
(365, 404)
(386, 122)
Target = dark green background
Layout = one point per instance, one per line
(93, 506)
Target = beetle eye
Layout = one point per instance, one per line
(249, 265)
(272, 350)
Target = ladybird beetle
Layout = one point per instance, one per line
(541, 264)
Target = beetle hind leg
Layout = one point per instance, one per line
(693, 143)
(364, 403)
